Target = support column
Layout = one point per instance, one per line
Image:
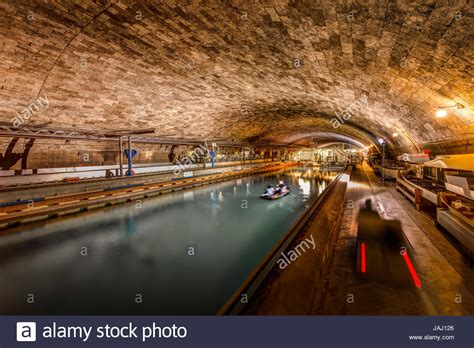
(213, 155)
(129, 173)
(120, 156)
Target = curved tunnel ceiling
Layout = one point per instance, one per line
(266, 71)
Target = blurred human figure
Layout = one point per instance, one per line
(270, 190)
(281, 187)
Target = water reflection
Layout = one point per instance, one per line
(146, 250)
(130, 226)
(322, 187)
(305, 187)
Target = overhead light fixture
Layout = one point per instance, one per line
(442, 112)
(395, 134)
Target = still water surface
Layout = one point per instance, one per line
(182, 253)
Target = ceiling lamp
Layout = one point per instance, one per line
(395, 134)
(442, 112)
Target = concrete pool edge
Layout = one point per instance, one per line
(42, 188)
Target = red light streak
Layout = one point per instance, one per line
(412, 270)
(363, 264)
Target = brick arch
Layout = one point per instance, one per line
(200, 70)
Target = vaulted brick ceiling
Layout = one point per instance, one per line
(266, 71)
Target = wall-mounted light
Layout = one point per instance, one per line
(395, 135)
(442, 112)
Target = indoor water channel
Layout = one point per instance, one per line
(180, 253)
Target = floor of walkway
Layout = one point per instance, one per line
(447, 280)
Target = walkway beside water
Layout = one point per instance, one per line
(446, 278)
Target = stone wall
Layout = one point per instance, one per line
(74, 153)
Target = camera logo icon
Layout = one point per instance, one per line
(26, 331)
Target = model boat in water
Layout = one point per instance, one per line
(273, 193)
(276, 195)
